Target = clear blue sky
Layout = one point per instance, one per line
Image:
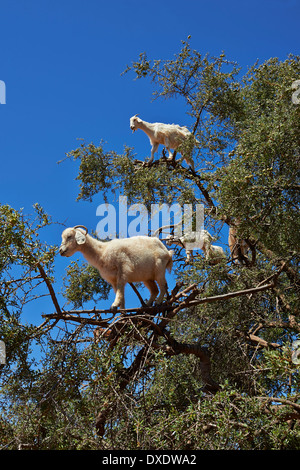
(61, 62)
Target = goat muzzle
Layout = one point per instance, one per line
(62, 250)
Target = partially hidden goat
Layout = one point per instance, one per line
(169, 135)
(123, 260)
(238, 248)
(192, 241)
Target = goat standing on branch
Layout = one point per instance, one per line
(169, 135)
(213, 253)
(239, 248)
(119, 261)
(194, 241)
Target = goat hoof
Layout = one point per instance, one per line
(114, 308)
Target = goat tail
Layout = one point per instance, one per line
(170, 262)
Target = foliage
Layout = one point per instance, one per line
(84, 284)
(214, 370)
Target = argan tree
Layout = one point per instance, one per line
(216, 365)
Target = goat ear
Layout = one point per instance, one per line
(79, 237)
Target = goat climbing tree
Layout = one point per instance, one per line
(213, 367)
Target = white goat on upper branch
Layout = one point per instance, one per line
(122, 260)
(169, 135)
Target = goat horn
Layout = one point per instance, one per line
(81, 226)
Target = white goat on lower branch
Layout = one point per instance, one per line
(202, 240)
(119, 261)
(169, 135)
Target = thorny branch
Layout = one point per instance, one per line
(155, 320)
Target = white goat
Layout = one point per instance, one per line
(119, 261)
(191, 241)
(214, 254)
(169, 135)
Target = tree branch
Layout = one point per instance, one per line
(50, 287)
(198, 351)
(230, 295)
(284, 401)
